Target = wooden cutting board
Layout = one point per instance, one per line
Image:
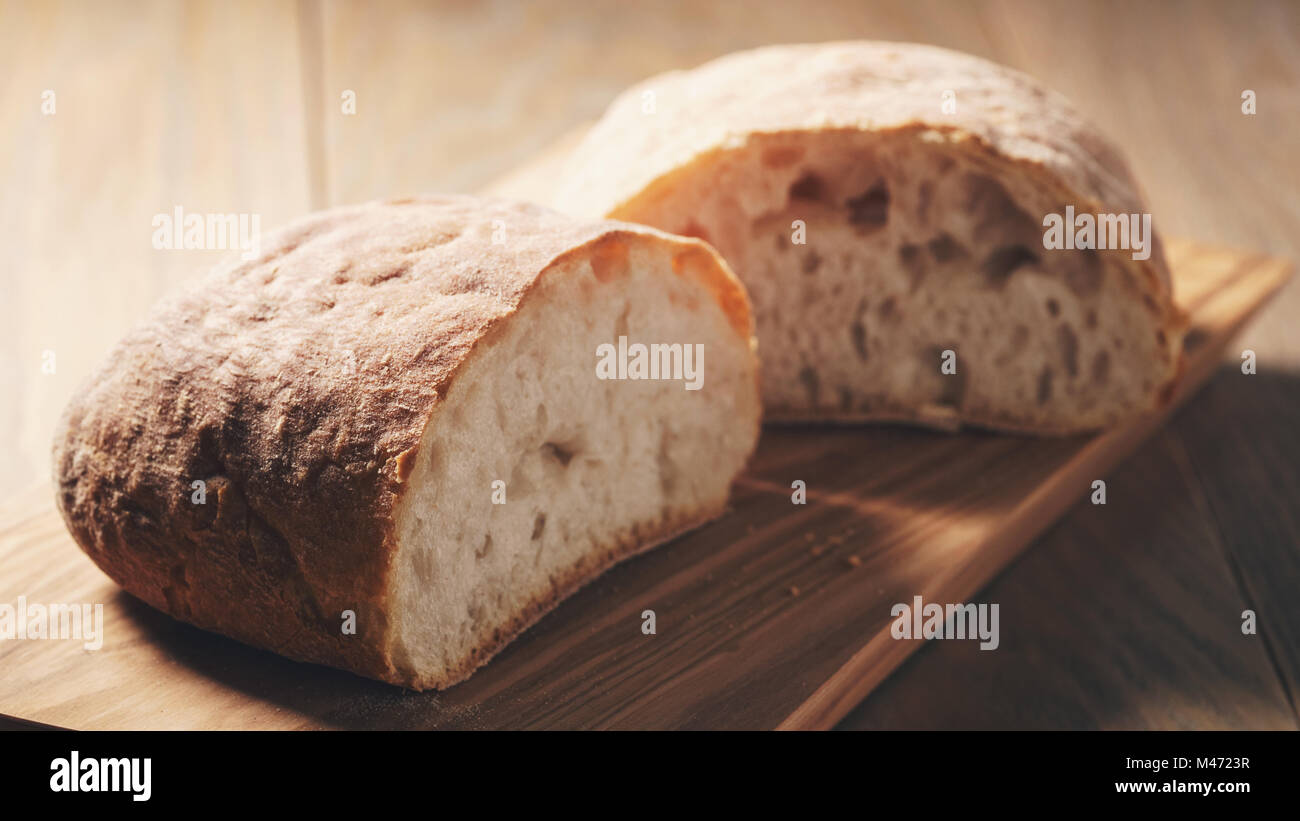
(777, 615)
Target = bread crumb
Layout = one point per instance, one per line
(818, 549)
(854, 561)
(794, 591)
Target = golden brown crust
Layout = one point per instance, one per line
(296, 387)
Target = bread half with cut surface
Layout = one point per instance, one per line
(393, 414)
(884, 203)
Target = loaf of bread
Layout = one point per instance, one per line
(886, 206)
(386, 443)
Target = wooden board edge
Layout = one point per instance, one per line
(836, 697)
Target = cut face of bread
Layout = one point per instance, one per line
(868, 256)
(388, 444)
(590, 470)
(894, 254)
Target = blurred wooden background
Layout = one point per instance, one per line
(1115, 619)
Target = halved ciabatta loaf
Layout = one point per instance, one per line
(885, 203)
(393, 420)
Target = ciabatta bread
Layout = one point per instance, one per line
(326, 434)
(884, 204)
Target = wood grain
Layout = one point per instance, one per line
(1122, 617)
(156, 105)
(234, 106)
(774, 616)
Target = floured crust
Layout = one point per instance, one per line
(296, 387)
(678, 126)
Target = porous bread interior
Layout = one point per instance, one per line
(914, 247)
(593, 469)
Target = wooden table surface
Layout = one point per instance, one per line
(1120, 617)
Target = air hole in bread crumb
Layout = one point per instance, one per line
(539, 524)
(1069, 349)
(995, 212)
(945, 249)
(483, 551)
(1100, 367)
(1003, 261)
(808, 187)
(693, 261)
(870, 209)
(811, 261)
(561, 453)
(910, 257)
(1090, 319)
(1053, 307)
(1044, 386)
(887, 308)
(609, 259)
(924, 196)
(808, 377)
(860, 339)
